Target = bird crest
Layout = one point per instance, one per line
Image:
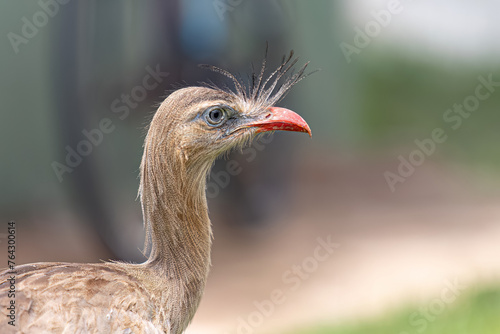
(263, 91)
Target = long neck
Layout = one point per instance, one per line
(176, 220)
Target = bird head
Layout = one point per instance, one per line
(205, 122)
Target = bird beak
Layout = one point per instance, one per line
(281, 119)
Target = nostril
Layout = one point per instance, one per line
(268, 115)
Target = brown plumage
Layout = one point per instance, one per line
(191, 128)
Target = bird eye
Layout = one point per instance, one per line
(215, 116)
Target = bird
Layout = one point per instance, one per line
(191, 128)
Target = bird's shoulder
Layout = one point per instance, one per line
(74, 297)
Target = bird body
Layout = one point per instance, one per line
(191, 128)
(85, 298)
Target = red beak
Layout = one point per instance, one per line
(281, 119)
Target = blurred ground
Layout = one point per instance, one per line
(386, 257)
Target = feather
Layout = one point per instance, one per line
(260, 92)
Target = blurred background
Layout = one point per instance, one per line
(402, 173)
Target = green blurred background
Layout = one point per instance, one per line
(64, 64)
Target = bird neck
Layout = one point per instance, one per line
(176, 220)
(178, 229)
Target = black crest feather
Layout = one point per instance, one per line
(267, 91)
